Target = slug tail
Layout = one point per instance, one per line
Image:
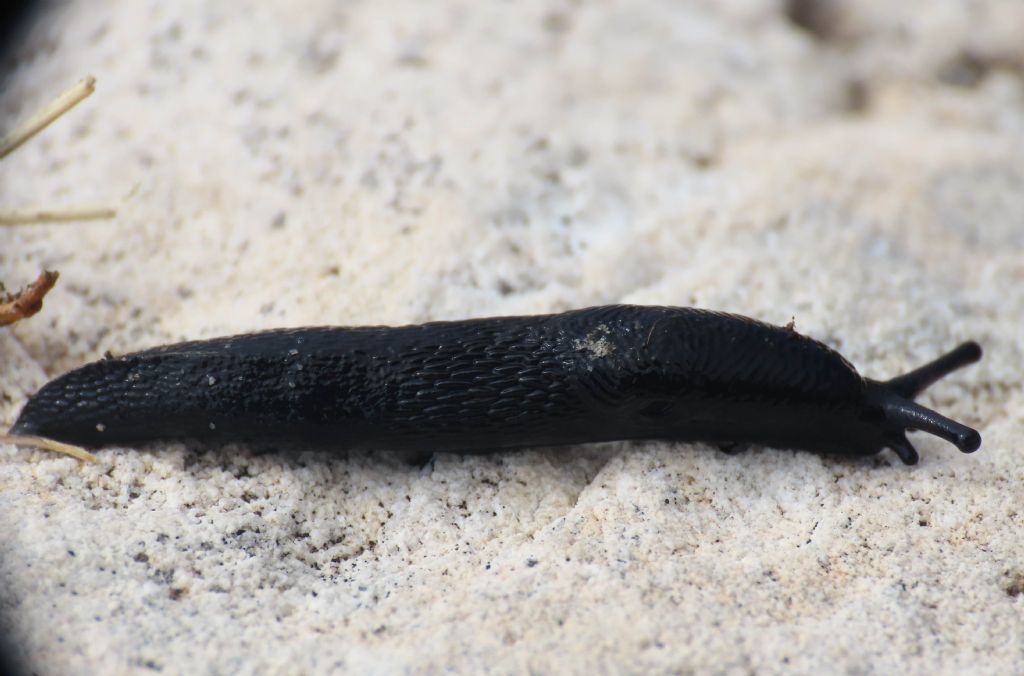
(911, 384)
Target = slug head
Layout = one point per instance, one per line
(891, 404)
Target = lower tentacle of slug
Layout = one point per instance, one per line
(481, 385)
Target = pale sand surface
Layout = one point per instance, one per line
(284, 164)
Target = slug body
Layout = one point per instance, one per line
(480, 385)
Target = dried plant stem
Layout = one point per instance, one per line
(43, 117)
(34, 215)
(49, 445)
(29, 128)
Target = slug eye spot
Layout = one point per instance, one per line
(656, 409)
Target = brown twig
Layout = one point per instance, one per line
(28, 301)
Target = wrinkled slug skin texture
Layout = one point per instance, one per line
(599, 374)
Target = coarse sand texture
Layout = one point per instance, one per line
(857, 168)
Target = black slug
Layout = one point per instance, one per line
(599, 374)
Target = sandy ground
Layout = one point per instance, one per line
(856, 166)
